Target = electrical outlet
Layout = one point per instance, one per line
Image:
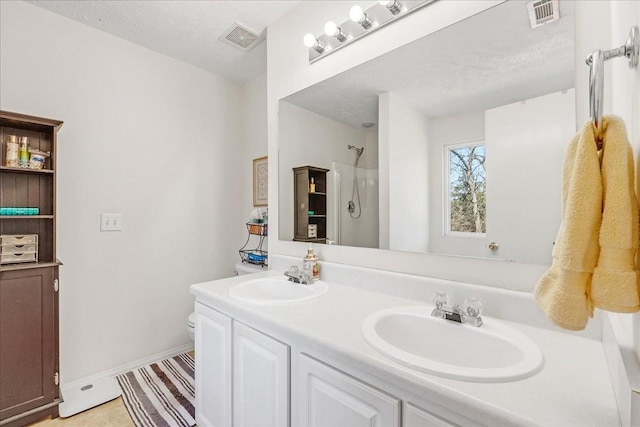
(110, 222)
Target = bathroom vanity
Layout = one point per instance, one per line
(307, 363)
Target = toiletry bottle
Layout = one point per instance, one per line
(11, 155)
(312, 186)
(311, 262)
(23, 153)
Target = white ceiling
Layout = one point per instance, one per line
(185, 30)
(493, 58)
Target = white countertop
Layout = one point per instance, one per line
(572, 389)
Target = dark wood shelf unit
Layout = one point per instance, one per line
(29, 266)
(26, 170)
(306, 201)
(29, 356)
(26, 217)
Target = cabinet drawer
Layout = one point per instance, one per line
(329, 397)
(18, 249)
(18, 239)
(19, 257)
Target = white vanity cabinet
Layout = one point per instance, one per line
(213, 367)
(413, 416)
(242, 375)
(328, 397)
(260, 379)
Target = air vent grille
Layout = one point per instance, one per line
(240, 37)
(542, 12)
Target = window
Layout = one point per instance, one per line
(466, 188)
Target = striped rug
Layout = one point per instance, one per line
(161, 394)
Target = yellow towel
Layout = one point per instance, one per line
(563, 291)
(615, 279)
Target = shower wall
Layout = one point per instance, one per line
(343, 229)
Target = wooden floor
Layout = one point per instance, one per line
(110, 414)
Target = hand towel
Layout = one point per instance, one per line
(615, 280)
(563, 291)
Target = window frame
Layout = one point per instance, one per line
(446, 159)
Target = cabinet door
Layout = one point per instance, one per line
(213, 367)
(28, 340)
(412, 416)
(331, 398)
(260, 379)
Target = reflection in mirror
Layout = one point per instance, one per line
(385, 130)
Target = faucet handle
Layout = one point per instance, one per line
(441, 299)
(306, 276)
(294, 270)
(472, 307)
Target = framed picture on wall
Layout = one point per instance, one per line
(260, 182)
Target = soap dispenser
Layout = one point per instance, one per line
(311, 263)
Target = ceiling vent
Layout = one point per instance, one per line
(542, 12)
(240, 37)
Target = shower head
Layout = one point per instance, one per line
(356, 149)
(358, 152)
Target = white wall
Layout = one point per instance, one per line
(408, 185)
(621, 87)
(253, 137)
(144, 135)
(253, 143)
(624, 86)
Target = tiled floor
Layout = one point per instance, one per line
(110, 414)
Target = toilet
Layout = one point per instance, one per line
(240, 269)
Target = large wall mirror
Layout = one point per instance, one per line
(451, 144)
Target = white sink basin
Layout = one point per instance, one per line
(273, 290)
(493, 352)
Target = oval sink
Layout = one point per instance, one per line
(491, 353)
(271, 290)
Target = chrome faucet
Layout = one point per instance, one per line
(469, 314)
(303, 277)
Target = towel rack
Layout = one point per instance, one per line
(631, 49)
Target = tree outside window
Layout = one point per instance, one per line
(467, 189)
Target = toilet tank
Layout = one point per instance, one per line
(243, 268)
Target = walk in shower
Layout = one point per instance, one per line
(355, 202)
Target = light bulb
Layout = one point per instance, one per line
(356, 13)
(393, 6)
(331, 29)
(312, 42)
(309, 40)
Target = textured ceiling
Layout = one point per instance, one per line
(185, 30)
(490, 59)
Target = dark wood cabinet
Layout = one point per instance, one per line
(29, 356)
(310, 204)
(29, 342)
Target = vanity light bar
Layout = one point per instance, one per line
(361, 23)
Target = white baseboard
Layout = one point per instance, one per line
(126, 368)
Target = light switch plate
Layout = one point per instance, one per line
(110, 222)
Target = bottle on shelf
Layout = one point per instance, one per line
(23, 152)
(312, 186)
(311, 263)
(12, 156)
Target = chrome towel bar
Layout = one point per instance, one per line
(631, 49)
